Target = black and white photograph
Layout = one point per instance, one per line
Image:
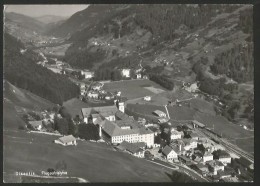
(128, 93)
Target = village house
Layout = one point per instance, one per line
(87, 74)
(224, 174)
(93, 94)
(185, 160)
(126, 72)
(201, 168)
(147, 98)
(207, 157)
(36, 125)
(97, 86)
(162, 120)
(109, 96)
(223, 157)
(175, 134)
(215, 166)
(115, 126)
(66, 140)
(138, 76)
(197, 124)
(132, 148)
(159, 113)
(178, 148)
(189, 144)
(192, 88)
(145, 77)
(169, 153)
(194, 136)
(108, 112)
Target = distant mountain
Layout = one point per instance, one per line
(84, 19)
(50, 19)
(24, 21)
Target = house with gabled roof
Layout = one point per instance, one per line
(36, 125)
(66, 140)
(132, 148)
(169, 153)
(107, 112)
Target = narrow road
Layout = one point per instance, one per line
(186, 170)
(167, 111)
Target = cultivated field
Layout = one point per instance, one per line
(57, 50)
(133, 88)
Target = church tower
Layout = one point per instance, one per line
(121, 106)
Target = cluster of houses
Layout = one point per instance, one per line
(96, 92)
(191, 87)
(125, 72)
(198, 152)
(162, 60)
(44, 124)
(116, 128)
(75, 72)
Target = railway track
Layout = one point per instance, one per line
(229, 146)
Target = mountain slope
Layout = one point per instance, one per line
(84, 19)
(23, 98)
(21, 70)
(46, 19)
(24, 21)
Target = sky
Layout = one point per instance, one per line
(40, 10)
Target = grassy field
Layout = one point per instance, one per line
(57, 50)
(25, 98)
(74, 106)
(132, 88)
(96, 162)
(221, 125)
(202, 106)
(181, 113)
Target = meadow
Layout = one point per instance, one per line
(133, 88)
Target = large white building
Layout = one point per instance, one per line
(116, 126)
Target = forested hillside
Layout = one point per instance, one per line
(22, 71)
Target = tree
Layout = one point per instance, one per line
(88, 131)
(72, 128)
(61, 124)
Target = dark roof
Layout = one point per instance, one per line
(105, 110)
(140, 144)
(166, 150)
(201, 166)
(224, 173)
(122, 115)
(35, 123)
(184, 158)
(131, 147)
(214, 163)
(198, 123)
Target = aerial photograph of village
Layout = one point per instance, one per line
(116, 93)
